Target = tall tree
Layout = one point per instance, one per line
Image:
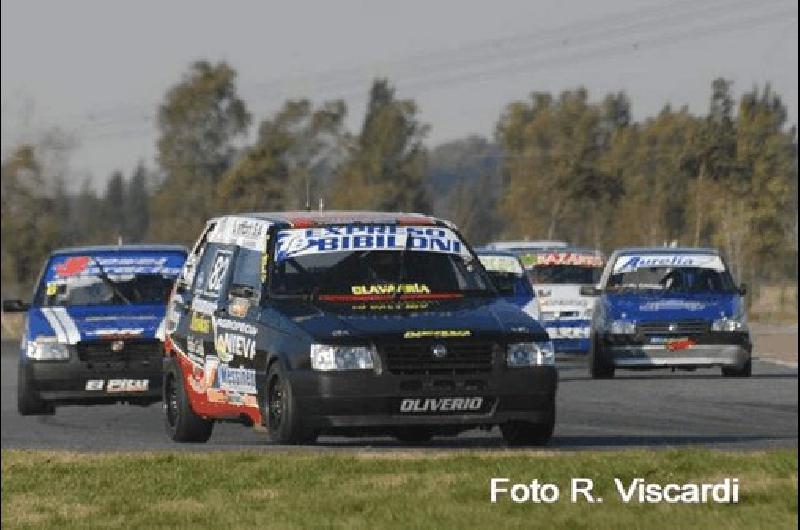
(290, 163)
(386, 165)
(198, 123)
(30, 229)
(554, 186)
(137, 205)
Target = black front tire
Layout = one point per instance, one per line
(599, 367)
(283, 422)
(182, 424)
(518, 433)
(744, 371)
(28, 403)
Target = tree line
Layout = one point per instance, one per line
(559, 166)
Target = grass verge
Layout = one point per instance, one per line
(378, 490)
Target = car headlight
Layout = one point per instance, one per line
(622, 327)
(524, 354)
(47, 349)
(728, 324)
(327, 357)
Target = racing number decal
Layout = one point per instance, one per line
(221, 263)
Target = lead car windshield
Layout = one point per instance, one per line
(671, 274)
(342, 263)
(104, 279)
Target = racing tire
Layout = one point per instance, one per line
(28, 403)
(744, 371)
(414, 435)
(283, 422)
(520, 433)
(599, 367)
(182, 424)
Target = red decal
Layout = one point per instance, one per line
(72, 266)
(683, 344)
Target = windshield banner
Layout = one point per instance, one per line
(644, 261)
(64, 267)
(577, 259)
(297, 242)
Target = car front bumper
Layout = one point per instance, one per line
(75, 382)
(713, 349)
(372, 402)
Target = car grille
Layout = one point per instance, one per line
(98, 351)
(417, 358)
(679, 327)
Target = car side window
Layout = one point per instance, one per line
(247, 271)
(213, 272)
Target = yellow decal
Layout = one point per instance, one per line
(389, 306)
(200, 323)
(437, 333)
(399, 288)
(264, 266)
(52, 289)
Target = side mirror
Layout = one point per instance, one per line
(590, 290)
(743, 289)
(15, 306)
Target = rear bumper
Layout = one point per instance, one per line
(66, 382)
(367, 401)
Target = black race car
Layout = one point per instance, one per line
(350, 323)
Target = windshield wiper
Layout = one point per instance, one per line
(108, 281)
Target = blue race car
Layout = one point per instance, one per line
(673, 308)
(94, 331)
(508, 274)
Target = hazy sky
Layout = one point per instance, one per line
(98, 69)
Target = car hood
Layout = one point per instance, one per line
(492, 319)
(673, 306)
(81, 323)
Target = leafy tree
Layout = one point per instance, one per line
(291, 161)
(29, 228)
(385, 169)
(198, 123)
(554, 186)
(137, 205)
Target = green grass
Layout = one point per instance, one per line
(378, 490)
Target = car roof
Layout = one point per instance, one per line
(483, 251)
(666, 250)
(119, 248)
(577, 250)
(304, 219)
(533, 245)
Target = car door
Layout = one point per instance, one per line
(236, 328)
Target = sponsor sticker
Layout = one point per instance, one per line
(117, 385)
(437, 333)
(399, 288)
(230, 345)
(703, 261)
(429, 405)
(297, 242)
(200, 323)
(577, 259)
(241, 380)
(507, 264)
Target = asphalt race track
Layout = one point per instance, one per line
(637, 409)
